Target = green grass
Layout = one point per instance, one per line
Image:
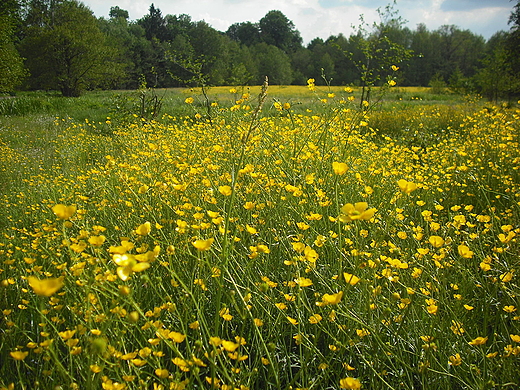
(217, 246)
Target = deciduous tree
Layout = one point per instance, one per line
(66, 50)
(12, 70)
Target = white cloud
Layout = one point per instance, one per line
(322, 18)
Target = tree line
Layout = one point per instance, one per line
(61, 45)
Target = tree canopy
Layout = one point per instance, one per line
(65, 47)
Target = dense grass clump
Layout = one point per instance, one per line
(290, 241)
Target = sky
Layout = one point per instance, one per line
(323, 18)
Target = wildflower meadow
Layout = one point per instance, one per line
(262, 239)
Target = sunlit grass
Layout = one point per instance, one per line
(231, 247)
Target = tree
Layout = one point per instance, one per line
(378, 52)
(12, 71)
(277, 30)
(66, 50)
(273, 63)
(116, 12)
(245, 33)
(241, 67)
(154, 25)
(513, 40)
(459, 49)
(496, 78)
(423, 65)
(322, 62)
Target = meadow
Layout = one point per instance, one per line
(288, 238)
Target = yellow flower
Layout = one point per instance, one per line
(402, 235)
(432, 309)
(339, 168)
(95, 368)
(128, 265)
(310, 254)
(177, 337)
(515, 338)
(350, 383)
(45, 287)
(358, 211)
(465, 252)
(303, 282)
(229, 346)
(162, 373)
(215, 341)
(63, 212)
(189, 100)
(203, 245)
(315, 318)
(225, 190)
(436, 241)
(144, 229)
(97, 241)
(19, 355)
(330, 299)
(406, 186)
(506, 277)
(224, 313)
(251, 230)
(455, 360)
(509, 309)
(351, 279)
(457, 328)
(478, 341)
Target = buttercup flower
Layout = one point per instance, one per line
(351, 279)
(225, 190)
(358, 211)
(144, 229)
(406, 186)
(455, 360)
(203, 245)
(339, 168)
(63, 212)
(19, 355)
(478, 341)
(45, 287)
(128, 265)
(331, 299)
(350, 383)
(465, 252)
(436, 241)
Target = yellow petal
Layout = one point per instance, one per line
(19, 355)
(203, 245)
(124, 272)
(45, 287)
(139, 267)
(63, 212)
(144, 229)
